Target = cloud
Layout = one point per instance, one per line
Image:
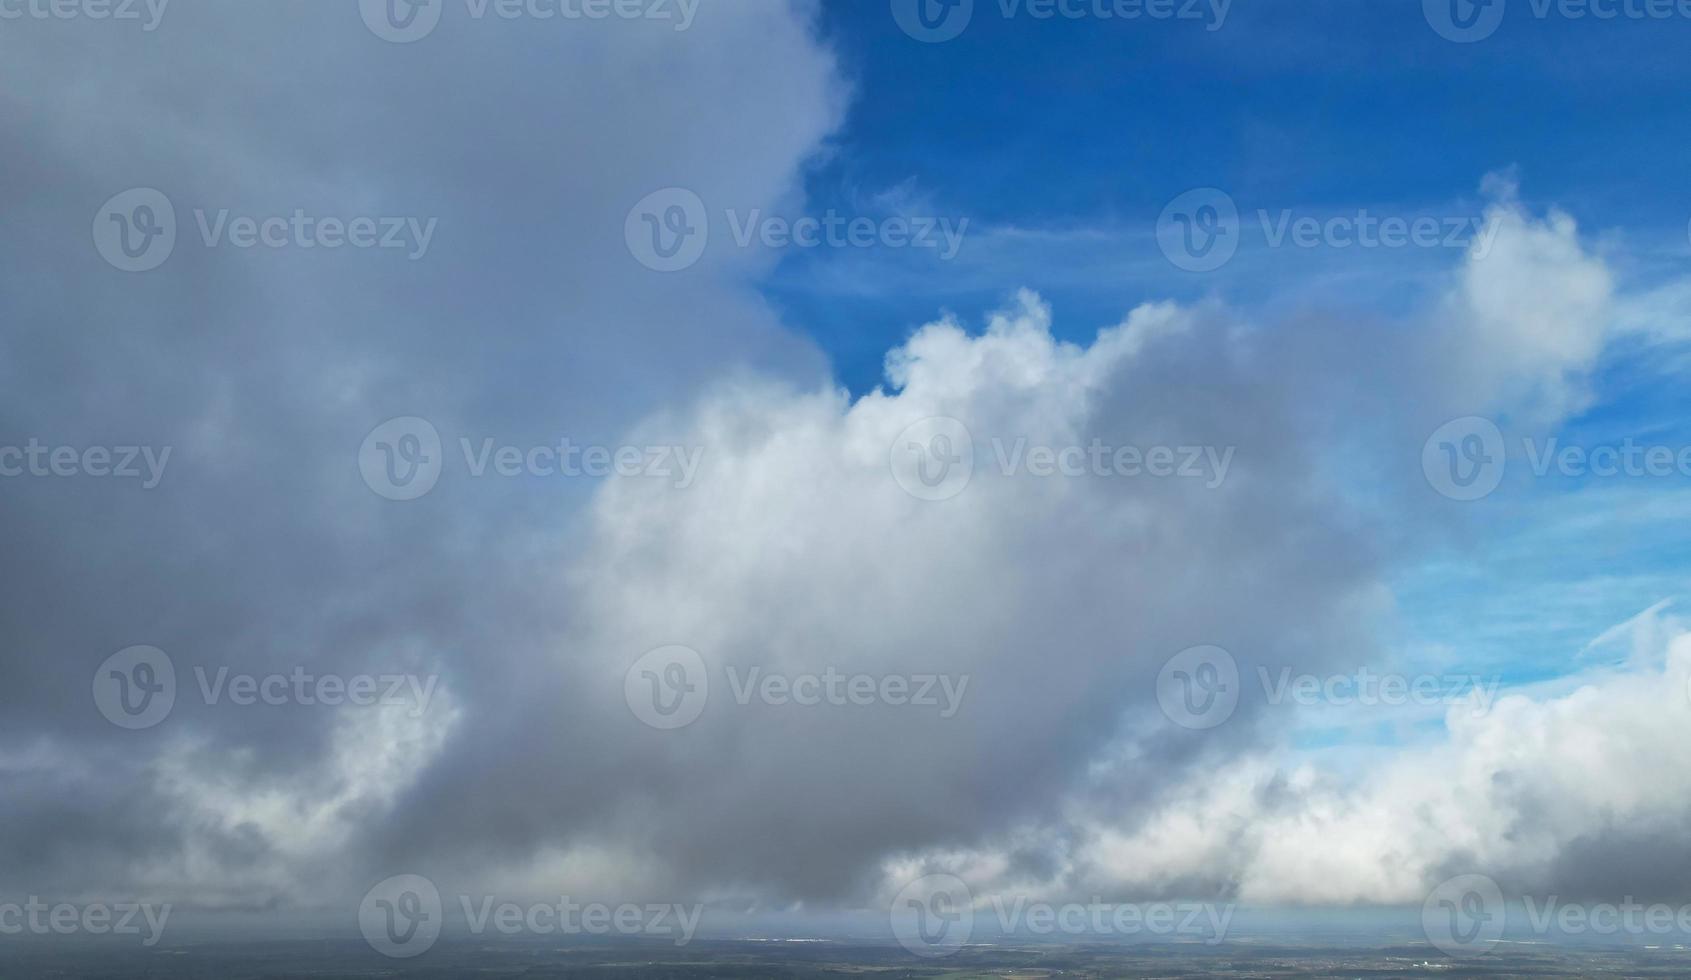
(262, 550)
(796, 552)
(1550, 793)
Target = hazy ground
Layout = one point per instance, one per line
(351, 959)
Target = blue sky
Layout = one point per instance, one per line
(1060, 141)
(1066, 125)
(1149, 179)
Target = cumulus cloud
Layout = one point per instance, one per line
(1047, 601)
(1552, 792)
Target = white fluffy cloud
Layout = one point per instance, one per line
(796, 552)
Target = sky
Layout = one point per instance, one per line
(791, 459)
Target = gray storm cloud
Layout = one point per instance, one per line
(795, 552)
